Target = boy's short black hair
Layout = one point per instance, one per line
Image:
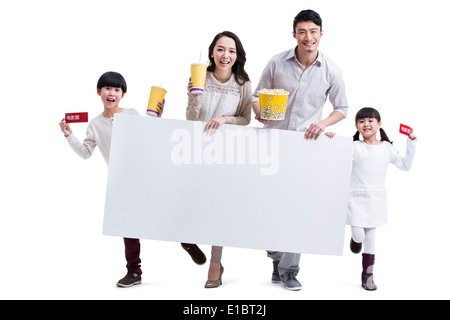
(308, 15)
(112, 79)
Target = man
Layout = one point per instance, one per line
(310, 77)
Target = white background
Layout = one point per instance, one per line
(394, 55)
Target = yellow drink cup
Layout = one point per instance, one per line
(273, 106)
(198, 77)
(157, 94)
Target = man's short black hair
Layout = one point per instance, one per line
(308, 15)
(112, 79)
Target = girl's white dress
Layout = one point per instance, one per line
(367, 205)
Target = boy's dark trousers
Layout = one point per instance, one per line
(132, 252)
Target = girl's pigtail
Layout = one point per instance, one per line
(356, 136)
(384, 136)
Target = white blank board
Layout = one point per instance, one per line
(243, 187)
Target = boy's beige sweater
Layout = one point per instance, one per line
(98, 133)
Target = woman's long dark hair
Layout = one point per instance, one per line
(370, 113)
(238, 67)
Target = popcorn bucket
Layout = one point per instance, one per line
(273, 104)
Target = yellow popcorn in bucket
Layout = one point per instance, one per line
(273, 103)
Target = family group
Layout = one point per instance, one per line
(311, 78)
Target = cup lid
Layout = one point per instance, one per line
(159, 87)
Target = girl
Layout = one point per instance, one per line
(367, 207)
(227, 99)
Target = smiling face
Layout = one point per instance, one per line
(224, 54)
(368, 127)
(308, 35)
(111, 97)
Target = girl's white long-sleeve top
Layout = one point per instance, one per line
(367, 206)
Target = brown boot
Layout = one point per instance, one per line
(368, 260)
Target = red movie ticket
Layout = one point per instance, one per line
(405, 129)
(76, 117)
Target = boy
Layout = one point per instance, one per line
(111, 87)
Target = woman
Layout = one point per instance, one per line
(227, 99)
